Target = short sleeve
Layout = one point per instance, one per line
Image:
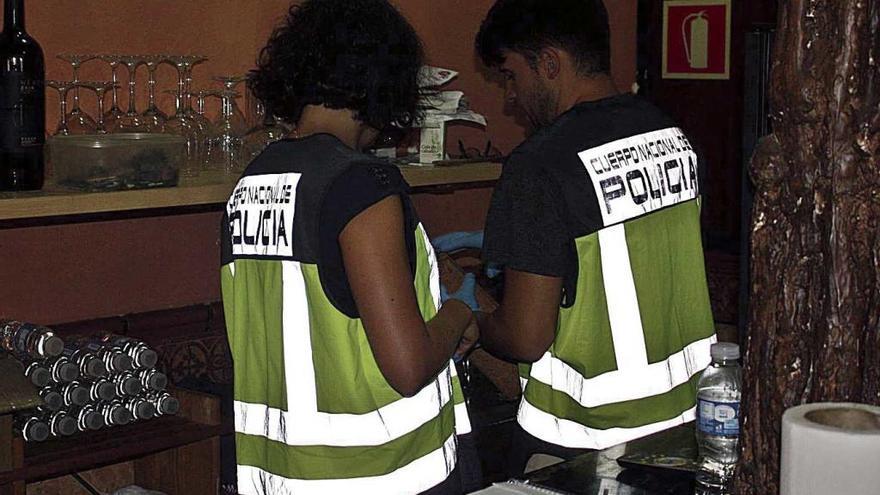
(361, 186)
(526, 228)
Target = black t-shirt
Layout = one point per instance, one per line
(545, 198)
(361, 186)
(337, 184)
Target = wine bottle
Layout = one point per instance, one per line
(52, 400)
(165, 403)
(115, 361)
(127, 385)
(153, 380)
(102, 390)
(140, 408)
(33, 429)
(22, 104)
(88, 418)
(62, 424)
(27, 340)
(115, 413)
(75, 394)
(90, 365)
(140, 353)
(63, 371)
(38, 374)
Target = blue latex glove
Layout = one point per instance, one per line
(466, 293)
(493, 270)
(453, 241)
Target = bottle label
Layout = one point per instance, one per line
(22, 336)
(718, 418)
(22, 118)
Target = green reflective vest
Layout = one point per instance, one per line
(313, 412)
(628, 352)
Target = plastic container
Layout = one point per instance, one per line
(113, 162)
(719, 392)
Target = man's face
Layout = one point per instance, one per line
(525, 88)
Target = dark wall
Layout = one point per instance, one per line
(711, 112)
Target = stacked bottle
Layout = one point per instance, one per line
(87, 383)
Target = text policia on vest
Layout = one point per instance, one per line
(260, 215)
(642, 173)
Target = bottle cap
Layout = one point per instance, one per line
(40, 376)
(121, 362)
(68, 372)
(148, 358)
(131, 386)
(724, 351)
(121, 416)
(53, 400)
(157, 382)
(94, 421)
(36, 431)
(52, 346)
(65, 426)
(106, 391)
(95, 368)
(169, 406)
(145, 410)
(79, 396)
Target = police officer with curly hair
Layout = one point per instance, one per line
(342, 351)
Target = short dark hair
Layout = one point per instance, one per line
(360, 55)
(580, 27)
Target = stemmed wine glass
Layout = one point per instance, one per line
(78, 118)
(184, 65)
(154, 118)
(235, 118)
(182, 125)
(210, 131)
(63, 87)
(262, 135)
(131, 121)
(228, 140)
(100, 88)
(114, 113)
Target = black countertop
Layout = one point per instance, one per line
(600, 473)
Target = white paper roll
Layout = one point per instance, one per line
(830, 448)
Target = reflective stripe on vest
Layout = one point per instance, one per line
(572, 434)
(302, 424)
(628, 384)
(420, 475)
(462, 417)
(311, 402)
(634, 377)
(597, 385)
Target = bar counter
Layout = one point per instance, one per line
(600, 473)
(209, 188)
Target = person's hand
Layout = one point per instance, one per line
(454, 241)
(493, 270)
(468, 340)
(466, 293)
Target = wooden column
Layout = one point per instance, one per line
(11, 449)
(815, 298)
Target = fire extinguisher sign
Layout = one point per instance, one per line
(696, 39)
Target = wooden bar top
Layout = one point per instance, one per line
(16, 391)
(209, 188)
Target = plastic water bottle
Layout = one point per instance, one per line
(718, 420)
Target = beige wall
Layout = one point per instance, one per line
(72, 272)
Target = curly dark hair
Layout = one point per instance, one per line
(360, 55)
(580, 27)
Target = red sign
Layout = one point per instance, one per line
(696, 39)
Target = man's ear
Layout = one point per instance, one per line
(549, 62)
